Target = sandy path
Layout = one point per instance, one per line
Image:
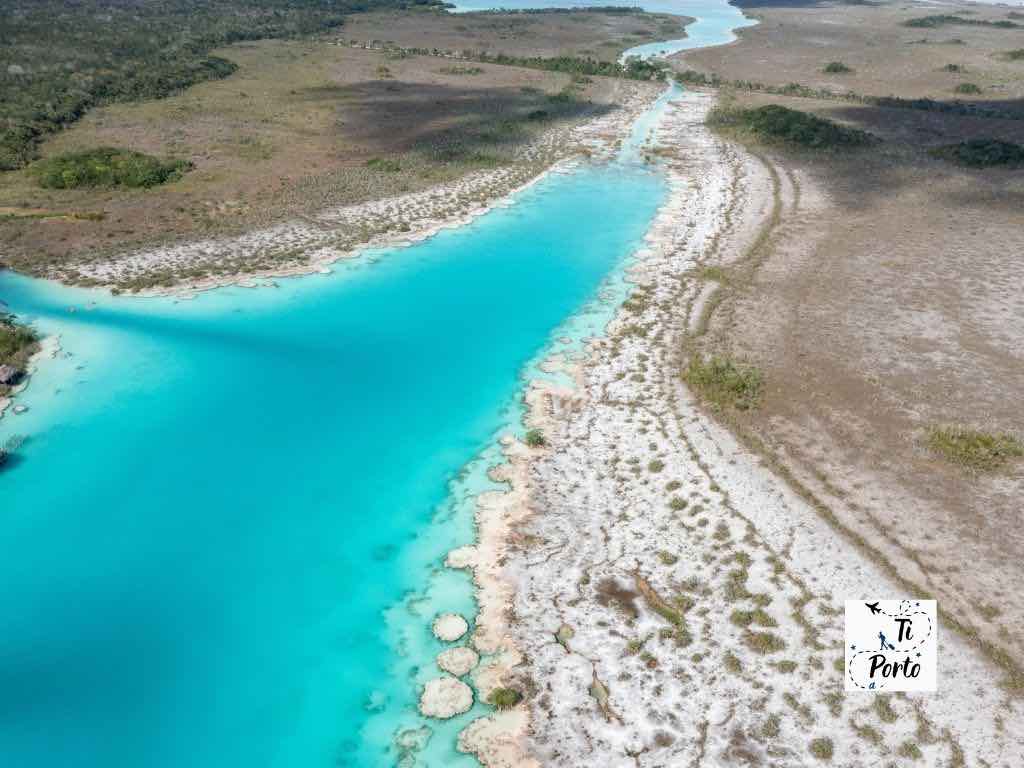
(659, 595)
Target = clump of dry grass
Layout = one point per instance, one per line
(764, 642)
(973, 449)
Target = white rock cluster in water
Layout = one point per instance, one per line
(445, 697)
(449, 627)
(458, 661)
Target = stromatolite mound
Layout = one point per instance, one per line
(449, 627)
(445, 697)
(458, 661)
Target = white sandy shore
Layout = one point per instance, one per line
(657, 593)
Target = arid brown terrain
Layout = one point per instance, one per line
(881, 300)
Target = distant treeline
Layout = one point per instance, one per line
(58, 59)
(692, 77)
(939, 20)
(635, 68)
(612, 9)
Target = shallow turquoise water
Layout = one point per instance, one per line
(222, 540)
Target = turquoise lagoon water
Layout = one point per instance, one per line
(222, 541)
(714, 22)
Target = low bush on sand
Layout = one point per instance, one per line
(821, 748)
(836, 68)
(973, 449)
(967, 88)
(764, 642)
(983, 153)
(384, 164)
(774, 123)
(535, 438)
(725, 383)
(1017, 54)
(504, 698)
(107, 167)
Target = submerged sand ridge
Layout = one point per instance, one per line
(654, 591)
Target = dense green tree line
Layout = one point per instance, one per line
(58, 58)
(106, 167)
(635, 68)
(1010, 112)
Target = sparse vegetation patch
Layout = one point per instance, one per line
(836, 68)
(973, 449)
(461, 70)
(724, 383)
(822, 748)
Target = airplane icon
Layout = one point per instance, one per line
(873, 607)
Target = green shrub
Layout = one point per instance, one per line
(973, 449)
(822, 748)
(535, 438)
(764, 642)
(384, 164)
(106, 167)
(910, 750)
(967, 88)
(983, 153)
(504, 698)
(17, 342)
(1017, 54)
(775, 123)
(836, 68)
(954, 68)
(724, 383)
